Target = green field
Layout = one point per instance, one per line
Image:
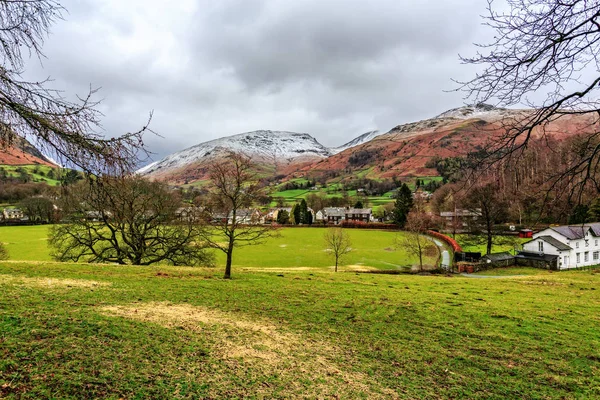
(477, 244)
(39, 173)
(292, 248)
(100, 331)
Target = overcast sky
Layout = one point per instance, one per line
(208, 68)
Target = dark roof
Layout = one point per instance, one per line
(527, 255)
(499, 256)
(555, 243)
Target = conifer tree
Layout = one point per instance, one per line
(404, 203)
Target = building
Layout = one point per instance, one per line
(12, 214)
(333, 215)
(460, 218)
(358, 214)
(574, 246)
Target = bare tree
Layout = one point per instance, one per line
(67, 129)
(548, 48)
(127, 220)
(492, 209)
(338, 243)
(234, 191)
(413, 239)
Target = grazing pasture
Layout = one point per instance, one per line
(292, 248)
(89, 331)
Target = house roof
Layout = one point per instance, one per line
(358, 211)
(499, 256)
(536, 256)
(554, 242)
(573, 232)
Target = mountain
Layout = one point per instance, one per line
(365, 137)
(407, 149)
(22, 152)
(275, 148)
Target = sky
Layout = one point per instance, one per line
(208, 69)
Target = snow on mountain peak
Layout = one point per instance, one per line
(273, 146)
(365, 137)
(473, 111)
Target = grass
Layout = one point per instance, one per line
(515, 271)
(28, 243)
(293, 248)
(90, 331)
(38, 173)
(477, 244)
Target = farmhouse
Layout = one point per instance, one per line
(335, 215)
(12, 213)
(574, 245)
(460, 217)
(357, 214)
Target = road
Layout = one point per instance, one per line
(445, 254)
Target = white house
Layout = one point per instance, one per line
(575, 245)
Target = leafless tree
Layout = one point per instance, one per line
(413, 238)
(127, 220)
(69, 130)
(492, 208)
(548, 48)
(338, 243)
(234, 191)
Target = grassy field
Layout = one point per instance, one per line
(39, 173)
(100, 331)
(477, 244)
(292, 248)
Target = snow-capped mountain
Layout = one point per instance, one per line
(480, 110)
(365, 137)
(269, 146)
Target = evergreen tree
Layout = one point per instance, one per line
(579, 215)
(303, 212)
(358, 204)
(594, 211)
(404, 203)
(296, 214)
(283, 217)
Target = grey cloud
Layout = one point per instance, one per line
(334, 69)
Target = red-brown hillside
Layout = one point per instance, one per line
(405, 150)
(21, 152)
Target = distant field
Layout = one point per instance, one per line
(98, 331)
(500, 243)
(39, 173)
(295, 247)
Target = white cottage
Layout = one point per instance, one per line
(575, 245)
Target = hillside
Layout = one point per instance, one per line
(406, 149)
(276, 149)
(22, 152)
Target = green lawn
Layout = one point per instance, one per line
(99, 331)
(292, 248)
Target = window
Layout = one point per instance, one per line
(596, 255)
(586, 256)
(578, 257)
(541, 247)
(587, 243)
(577, 245)
(566, 260)
(596, 242)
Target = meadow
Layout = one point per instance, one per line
(288, 328)
(291, 248)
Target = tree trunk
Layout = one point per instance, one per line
(228, 264)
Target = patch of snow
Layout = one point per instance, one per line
(365, 137)
(480, 110)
